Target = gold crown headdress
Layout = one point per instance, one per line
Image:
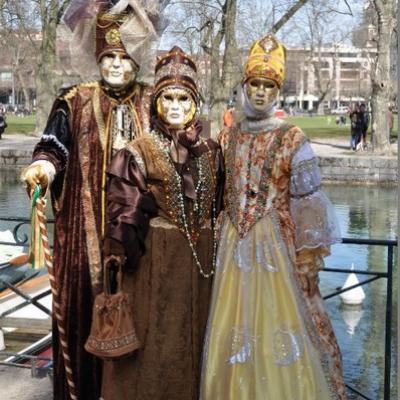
(266, 59)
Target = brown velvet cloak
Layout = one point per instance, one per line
(171, 298)
(77, 142)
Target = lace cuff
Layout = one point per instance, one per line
(315, 221)
(305, 175)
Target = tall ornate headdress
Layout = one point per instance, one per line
(94, 27)
(266, 59)
(176, 68)
(108, 34)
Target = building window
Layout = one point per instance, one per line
(5, 76)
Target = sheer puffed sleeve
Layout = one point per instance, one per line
(55, 143)
(130, 205)
(312, 212)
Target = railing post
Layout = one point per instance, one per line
(388, 331)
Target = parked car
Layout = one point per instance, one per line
(340, 110)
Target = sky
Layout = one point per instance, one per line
(255, 17)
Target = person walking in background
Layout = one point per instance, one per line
(355, 127)
(364, 120)
(390, 121)
(3, 124)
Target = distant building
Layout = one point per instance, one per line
(344, 70)
(17, 70)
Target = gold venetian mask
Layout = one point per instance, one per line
(118, 70)
(261, 92)
(176, 107)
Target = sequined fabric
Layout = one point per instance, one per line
(168, 194)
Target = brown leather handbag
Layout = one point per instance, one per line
(112, 334)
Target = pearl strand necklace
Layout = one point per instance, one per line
(166, 152)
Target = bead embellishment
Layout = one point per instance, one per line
(112, 344)
(288, 346)
(262, 258)
(189, 218)
(242, 344)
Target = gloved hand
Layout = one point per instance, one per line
(307, 267)
(114, 260)
(35, 175)
(113, 252)
(308, 279)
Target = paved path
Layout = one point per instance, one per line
(18, 142)
(17, 384)
(332, 147)
(323, 147)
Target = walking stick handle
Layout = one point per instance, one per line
(39, 202)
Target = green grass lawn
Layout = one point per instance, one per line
(20, 124)
(313, 127)
(318, 126)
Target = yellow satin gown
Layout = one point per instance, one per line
(257, 346)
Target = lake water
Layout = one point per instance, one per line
(364, 212)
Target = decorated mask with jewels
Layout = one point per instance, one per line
(117, 70)
(261, 93)
(176, 106)
(176, 97)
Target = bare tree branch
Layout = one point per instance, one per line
(349, 8)
(288, 14)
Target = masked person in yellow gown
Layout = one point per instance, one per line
(268, 334)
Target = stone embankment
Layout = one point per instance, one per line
(338, 163)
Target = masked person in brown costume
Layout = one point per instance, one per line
(87, 124)
(162, 198)
(269, 337)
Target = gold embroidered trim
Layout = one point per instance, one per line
(112, 344)
(92, 239)
(74, 90)
(99, 118)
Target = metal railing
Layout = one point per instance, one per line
(22, 240)
(17, 359)
(390, 244)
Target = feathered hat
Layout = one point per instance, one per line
(266, 59)
(108, 34)
(95, 27)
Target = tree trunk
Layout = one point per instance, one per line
(223, 82)
(25, 91)
(381, 77)
(47, 83)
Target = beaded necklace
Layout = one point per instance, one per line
(180, 218)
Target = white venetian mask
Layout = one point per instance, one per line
(176, 107)
(261, 93)
(118, 70)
